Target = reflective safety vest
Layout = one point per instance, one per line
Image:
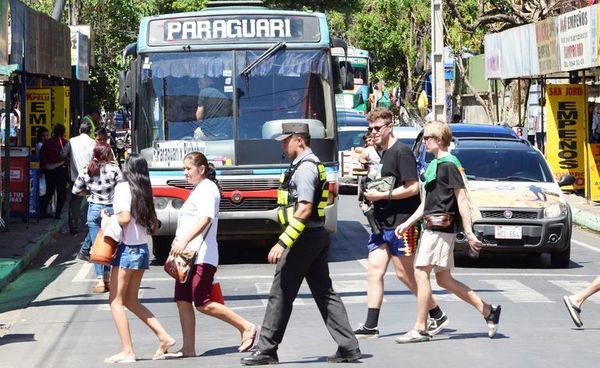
(288, 204)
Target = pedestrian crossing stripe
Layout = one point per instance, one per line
(573, 287)
(516, 291)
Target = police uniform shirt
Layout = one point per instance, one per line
(303, 183)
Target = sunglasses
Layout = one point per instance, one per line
(427, 137)
(377, 128)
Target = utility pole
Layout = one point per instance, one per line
(438, 94)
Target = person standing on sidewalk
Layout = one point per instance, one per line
(391, 209)
(98, 181)
(137, 219)
(445, 204)
(574, 302)
(197, 227)
(301, 252)
(79, 150)
(54, 168)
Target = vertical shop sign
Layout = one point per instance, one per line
(38, 112)
(593, 151)
(61, 108)
(566, 116)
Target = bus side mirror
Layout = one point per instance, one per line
(347, 75)
(125, 97)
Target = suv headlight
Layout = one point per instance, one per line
(161, 202)
(555, 210)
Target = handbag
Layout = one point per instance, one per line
(179, 266)
(384, 184)
(104, 249)
(438, 221)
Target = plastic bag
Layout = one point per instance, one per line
(42, 186)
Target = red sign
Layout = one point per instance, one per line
(19, 181)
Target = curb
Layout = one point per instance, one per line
(585, 219)
(30, 252)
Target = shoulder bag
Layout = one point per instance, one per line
(179, 266)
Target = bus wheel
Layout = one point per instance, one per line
(161, 246)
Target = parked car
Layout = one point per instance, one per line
(522, 206)
(406, 134)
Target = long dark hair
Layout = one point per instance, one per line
(100, 158)
(198, 159)
(135, 172)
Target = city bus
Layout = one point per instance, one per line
(255, 69)
(358, 64)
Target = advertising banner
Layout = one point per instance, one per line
(577, 39)
(38, 107)
(565, 137)
(61, 107)
(545, 37)
(19, 179)
(492, 56)
(593, 151)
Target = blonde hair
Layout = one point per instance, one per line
(439, 130)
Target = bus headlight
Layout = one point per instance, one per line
(161, 202)
(555, 210)
(176, 203)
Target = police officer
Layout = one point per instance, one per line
(301, 252)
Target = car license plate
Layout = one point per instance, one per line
(508, 232)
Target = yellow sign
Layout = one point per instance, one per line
(61, 113)
(566, 117)
(39, 113)
(593, 151)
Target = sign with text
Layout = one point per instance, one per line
(577, 38)
(545, 37)
(61, 107)
(19, 179)
(566, 114)
(593, 152)
(38, 104)
(233, 29)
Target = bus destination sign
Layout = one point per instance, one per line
(216, 30)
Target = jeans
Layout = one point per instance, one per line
(94, 220)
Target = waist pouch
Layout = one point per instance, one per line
(438, 222)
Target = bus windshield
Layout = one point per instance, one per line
(200, 99)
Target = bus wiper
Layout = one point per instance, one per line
(272, 50)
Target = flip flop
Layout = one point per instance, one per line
(249, 342)
(161, 354)
(119, 360)
(574, 311)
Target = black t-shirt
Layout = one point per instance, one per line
(440, 196)
(397, 161)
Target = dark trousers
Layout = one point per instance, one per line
(56, 180)
(306, 259)
(75, 212)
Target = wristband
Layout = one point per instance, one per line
(292, 232)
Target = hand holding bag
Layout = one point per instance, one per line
(104, 249)
(179, 266)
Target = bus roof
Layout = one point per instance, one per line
(232, 27)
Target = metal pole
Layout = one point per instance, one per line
(7, 104)
(437, 69)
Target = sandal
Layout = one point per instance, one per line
(250, 341)
(493, 319)
(413, 336)
(574, 311)
(100, 287)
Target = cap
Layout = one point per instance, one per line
(289, 129)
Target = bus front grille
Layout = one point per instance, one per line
(249, 204)
(228, 185)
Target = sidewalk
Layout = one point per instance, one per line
(23, 241)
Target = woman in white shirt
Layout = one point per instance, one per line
(137, 219)
(197, 226)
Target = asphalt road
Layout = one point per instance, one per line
(66, 326)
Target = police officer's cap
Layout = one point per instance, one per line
(289, 129)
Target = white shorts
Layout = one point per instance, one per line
(436, 249)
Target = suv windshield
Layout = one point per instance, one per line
(504, 164)
(199, 100)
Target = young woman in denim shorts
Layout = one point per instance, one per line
(137, 219)
(197, 225)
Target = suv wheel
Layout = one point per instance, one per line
(561, 259)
